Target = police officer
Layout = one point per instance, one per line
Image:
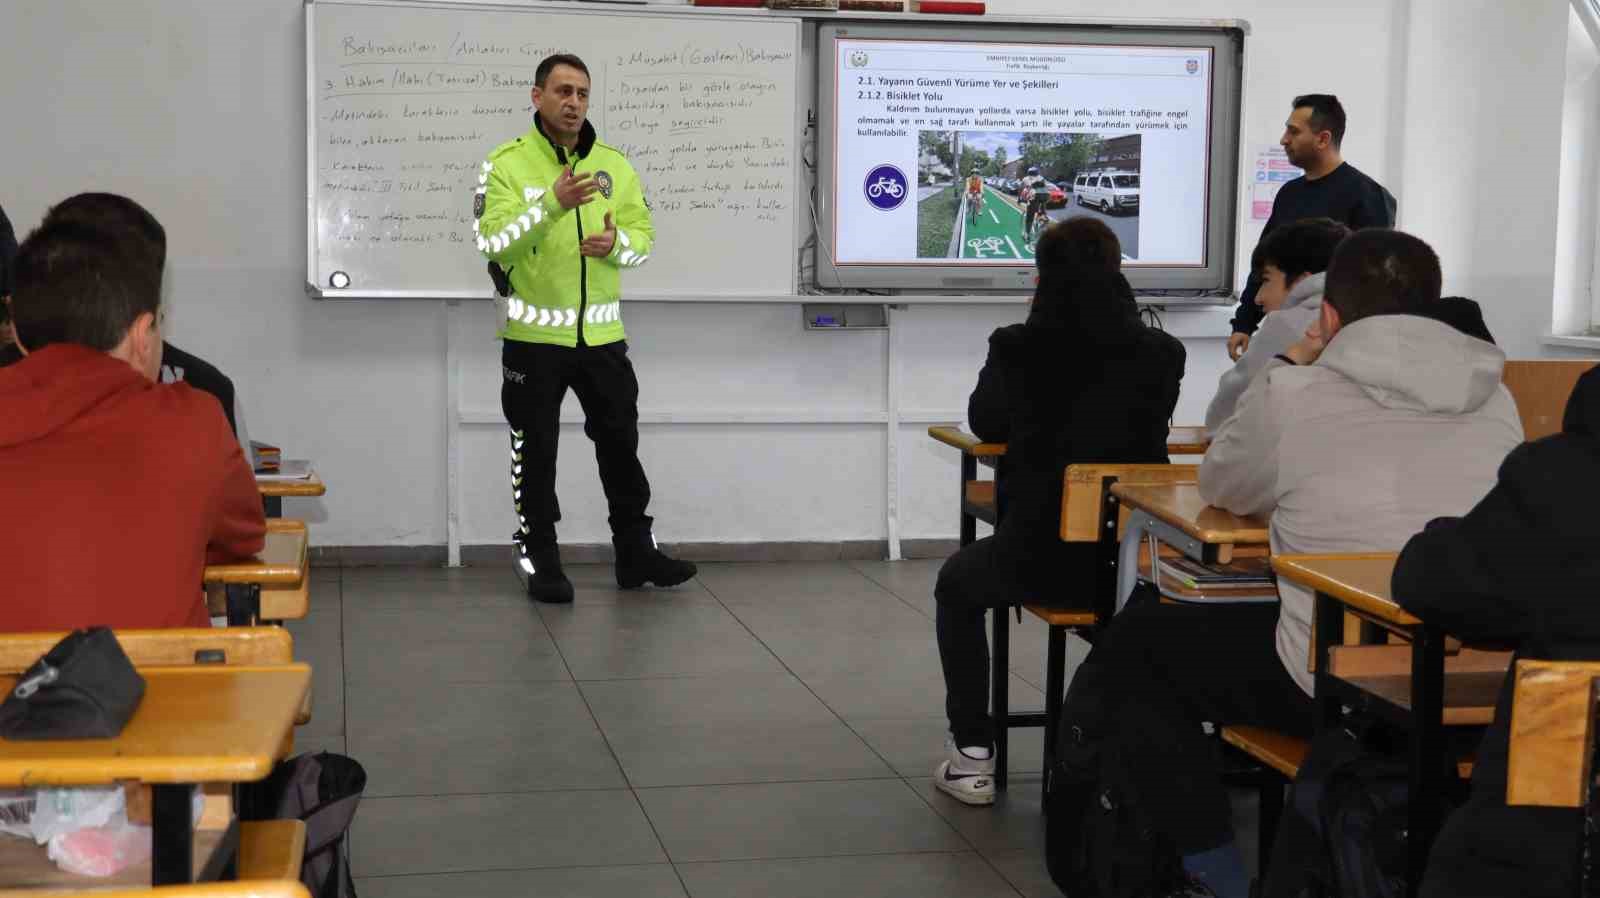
(560, 215)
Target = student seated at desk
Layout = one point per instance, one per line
(117, 490)
(1083, 380)
(1400, 420)
(1291, 265)
(1519, 571)
(177, 366)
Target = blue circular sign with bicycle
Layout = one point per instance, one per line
(885, 187)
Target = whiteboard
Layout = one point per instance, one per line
(406, 99)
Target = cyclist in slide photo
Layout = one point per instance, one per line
(974, 196)
(1035, 195)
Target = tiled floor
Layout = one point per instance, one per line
(767, 729)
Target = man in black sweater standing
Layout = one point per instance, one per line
(1330, 188)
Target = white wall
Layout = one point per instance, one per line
(1483, 100)
(1578, 214)
(195, 107)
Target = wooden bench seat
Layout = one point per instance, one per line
(271, 849)
(979, 501)
(1287, 754)
(1071, 618)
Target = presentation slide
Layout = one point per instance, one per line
(961, 153)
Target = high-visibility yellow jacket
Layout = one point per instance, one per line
(558, 295)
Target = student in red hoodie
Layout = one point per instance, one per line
(117, 490)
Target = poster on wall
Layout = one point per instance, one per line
(1271, 171)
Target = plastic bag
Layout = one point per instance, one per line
(16, 812)
(102, 850)
(86, 831)
(61, 811)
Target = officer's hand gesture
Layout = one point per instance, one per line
(572, 190)
(599, 245)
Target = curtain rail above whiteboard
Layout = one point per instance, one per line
(405, 98)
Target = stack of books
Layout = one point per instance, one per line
(266, 458)
(1240, 578)
(1237, 574)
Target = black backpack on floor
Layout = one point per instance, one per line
(1099, 842)
(1345, 834)
(322, 790)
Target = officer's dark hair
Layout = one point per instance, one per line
(1300, 247)
(83, 282)
(1327, 114)
(1377, 271)
(550, 62)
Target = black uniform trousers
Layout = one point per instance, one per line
(534, 382)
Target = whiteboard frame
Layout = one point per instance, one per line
(796, 161)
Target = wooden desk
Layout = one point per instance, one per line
(977, 497)
(1415, 703)
(195, 725)
(273, 492)
(281, 567)
(1180, 518)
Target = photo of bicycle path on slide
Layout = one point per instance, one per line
(975, 189)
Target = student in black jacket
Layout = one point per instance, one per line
(1519, 571)
(1083, 380)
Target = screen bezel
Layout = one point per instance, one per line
(1215, 275)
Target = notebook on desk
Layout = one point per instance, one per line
(288, 469)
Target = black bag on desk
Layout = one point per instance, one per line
(83, 688)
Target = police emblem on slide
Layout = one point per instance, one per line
(477, 205)
(858, 59)
(602, 180)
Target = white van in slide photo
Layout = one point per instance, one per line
(1109, 191)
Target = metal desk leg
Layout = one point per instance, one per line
(244, 604)
(1055, 679)
(172, 836)
(999, 680)
(969, 524)
(1329, 618)
(1427, 749)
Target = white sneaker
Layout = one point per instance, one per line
(966, 774)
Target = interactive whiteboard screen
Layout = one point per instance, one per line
(944, 157)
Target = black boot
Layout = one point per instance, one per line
(541, 564)
(640, 562)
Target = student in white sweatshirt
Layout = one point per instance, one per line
(1291, 265)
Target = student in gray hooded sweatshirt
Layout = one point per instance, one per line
(1378, 420)
(1291, 265)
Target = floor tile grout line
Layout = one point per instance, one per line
(643, 864)
(895, 775)
(627, 781)
(807, 686)
(975, 849)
